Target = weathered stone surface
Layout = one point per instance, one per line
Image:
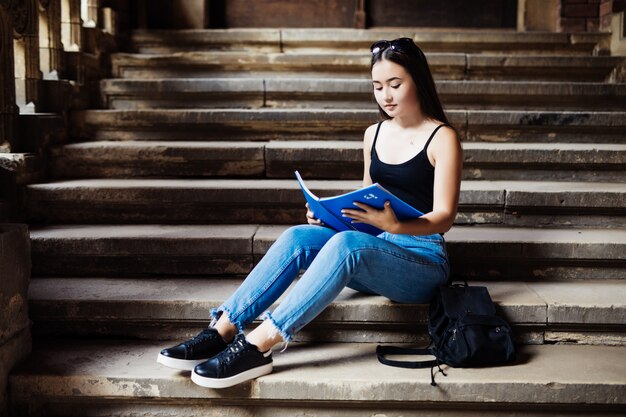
(327, 372)
(264, 237)
(223, 124)
(103, 305)
(600, 336)
(232, 64)
(153, 41)
(15, 267)
(444, 65)
(311, 39)
(15, 343)
(281, 201)
(351, 93)
(184, 93)
(12, 352)
(526, 253)
(315, 159)
(105, 408)
(546, 161)
(599, 302)
(541, 68)
(534, 95)
(483, 160)
(141, 249)
(328, 159)
(303, 124)
(162, 159)
(536, 243)
(24, 167)
(484, 252)
(544, 126)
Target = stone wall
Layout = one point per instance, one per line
(15, 340)
(51, 53)
(586, 15)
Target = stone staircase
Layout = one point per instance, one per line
(174, 190)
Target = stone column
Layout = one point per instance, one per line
(71, 25)
(26, 29)
(15, 339)
(8, 109)
(89, 13)
(50, 45)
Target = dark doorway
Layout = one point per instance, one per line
(447, 13)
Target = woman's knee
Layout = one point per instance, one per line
(347, 241)
(298, 232)
(344, 247)
(305, 235)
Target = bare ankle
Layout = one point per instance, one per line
(265, 336)
(225, 328)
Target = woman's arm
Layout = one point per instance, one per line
(368, 139)
(447, 156)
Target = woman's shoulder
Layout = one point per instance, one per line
(444, 130)
(370, 132)
(371, 129)
(445, 140)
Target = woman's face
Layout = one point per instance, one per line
(394, 89)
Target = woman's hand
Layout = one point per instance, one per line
(310, 217)
(384, 219)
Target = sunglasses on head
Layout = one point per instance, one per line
(399, 45)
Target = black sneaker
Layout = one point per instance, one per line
(239, 362)
(194, 351)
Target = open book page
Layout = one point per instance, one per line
(329, 208)
(338, 223)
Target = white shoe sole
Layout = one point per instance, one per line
(233, 380)
(182, 364)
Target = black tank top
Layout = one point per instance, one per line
(412, 181)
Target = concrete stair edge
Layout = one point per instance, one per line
(73, 370)
(582, 302)
(308, 92)
(487, 253)
(325, 159)
(265, 201)
(455, 66)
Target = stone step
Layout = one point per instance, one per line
(342, 40)
(339, 124)
(494, 253)
(122, 378)
(329, 159)
(510, 253)
(126, 94)
(452, 66)
(174, 308)
(513, 203)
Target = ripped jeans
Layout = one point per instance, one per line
(403, 268)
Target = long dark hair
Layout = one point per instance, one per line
(410, 56)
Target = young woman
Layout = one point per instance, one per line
(415, 154)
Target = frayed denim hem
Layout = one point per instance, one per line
(286, 337)
(216, 313)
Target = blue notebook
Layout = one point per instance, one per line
(328, 209)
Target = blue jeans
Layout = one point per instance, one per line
(403, 268)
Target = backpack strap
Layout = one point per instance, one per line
(381, 351)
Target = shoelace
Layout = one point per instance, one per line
(203, 336)
(232, 352)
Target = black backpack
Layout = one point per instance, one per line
(465, 332)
